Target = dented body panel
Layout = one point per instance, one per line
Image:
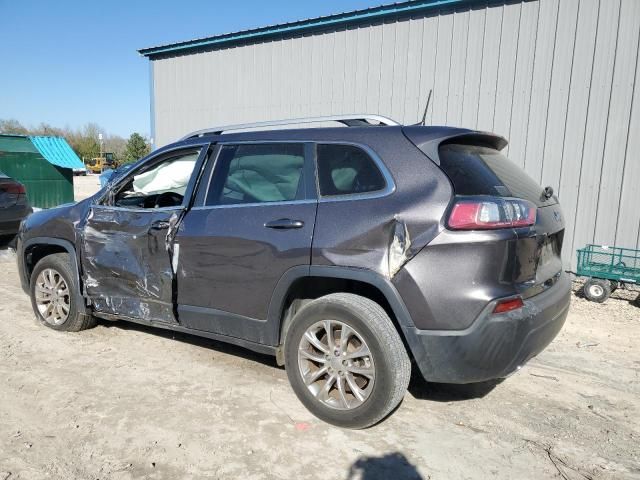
(362, 232)
(127, 262)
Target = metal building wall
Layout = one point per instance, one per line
(556, 77)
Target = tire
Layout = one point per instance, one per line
(597, 290)
(56, 269)
(380, 378)
(614, 285)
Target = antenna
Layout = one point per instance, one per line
(424, 116)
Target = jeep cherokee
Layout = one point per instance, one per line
(350, 254)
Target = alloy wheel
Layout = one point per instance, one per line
(336, 365)
(52, 296)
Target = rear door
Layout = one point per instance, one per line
(253, 222)
(127, 247)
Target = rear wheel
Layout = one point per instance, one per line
(597, 290)
(54, 294)
(345, 360)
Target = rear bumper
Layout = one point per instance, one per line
(494, 346)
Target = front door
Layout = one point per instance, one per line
(254, 222)
(127, 254)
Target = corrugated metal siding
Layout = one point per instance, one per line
(557, 77)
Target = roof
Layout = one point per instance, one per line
(308, 25)
(57, 151)
(16, 144)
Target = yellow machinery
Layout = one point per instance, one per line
(100, 164)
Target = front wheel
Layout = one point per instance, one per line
(54, 294)
(345, 360)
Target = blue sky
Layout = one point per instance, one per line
(69, 62)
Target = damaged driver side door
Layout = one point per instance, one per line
(127, 246)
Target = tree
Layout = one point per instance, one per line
(84, 141)
(12, 126)
(116, 145)
(137, 148)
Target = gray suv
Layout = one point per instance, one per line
(351, 253)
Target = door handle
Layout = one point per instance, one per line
(159, 225)
(284, 223)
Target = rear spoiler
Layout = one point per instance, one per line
(429, 139)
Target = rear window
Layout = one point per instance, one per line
(478, 170)
(346, 169)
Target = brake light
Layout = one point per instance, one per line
(491, 213)
(504, 306)
(14, 188)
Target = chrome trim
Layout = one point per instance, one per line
(348, 120)
(255, 204)
(390, 185)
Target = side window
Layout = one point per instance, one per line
(257, 173)
(346, 169)
(162, 185)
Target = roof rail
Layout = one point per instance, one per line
(348, 120)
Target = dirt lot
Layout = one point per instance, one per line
(123, 401)
(85, 186)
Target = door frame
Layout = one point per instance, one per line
(153, 159)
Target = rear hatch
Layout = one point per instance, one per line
(476, 168)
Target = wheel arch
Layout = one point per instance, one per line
(37, 248)
(310, 282)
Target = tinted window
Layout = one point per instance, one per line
(257, 173)
(345, 169)
(477, 170)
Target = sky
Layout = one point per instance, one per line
(70, 62)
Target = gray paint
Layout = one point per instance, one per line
(557, 78)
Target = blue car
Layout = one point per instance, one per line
(109, 174)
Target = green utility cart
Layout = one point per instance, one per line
(608, 268)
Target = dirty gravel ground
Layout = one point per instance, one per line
(123, 401)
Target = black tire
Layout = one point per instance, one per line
(75, 320)
(597, 290)
(392, 366)
(614, 285)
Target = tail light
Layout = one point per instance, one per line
(504, 306)
(14, 188)
(490, 213)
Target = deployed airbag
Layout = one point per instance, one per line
(170, 177)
